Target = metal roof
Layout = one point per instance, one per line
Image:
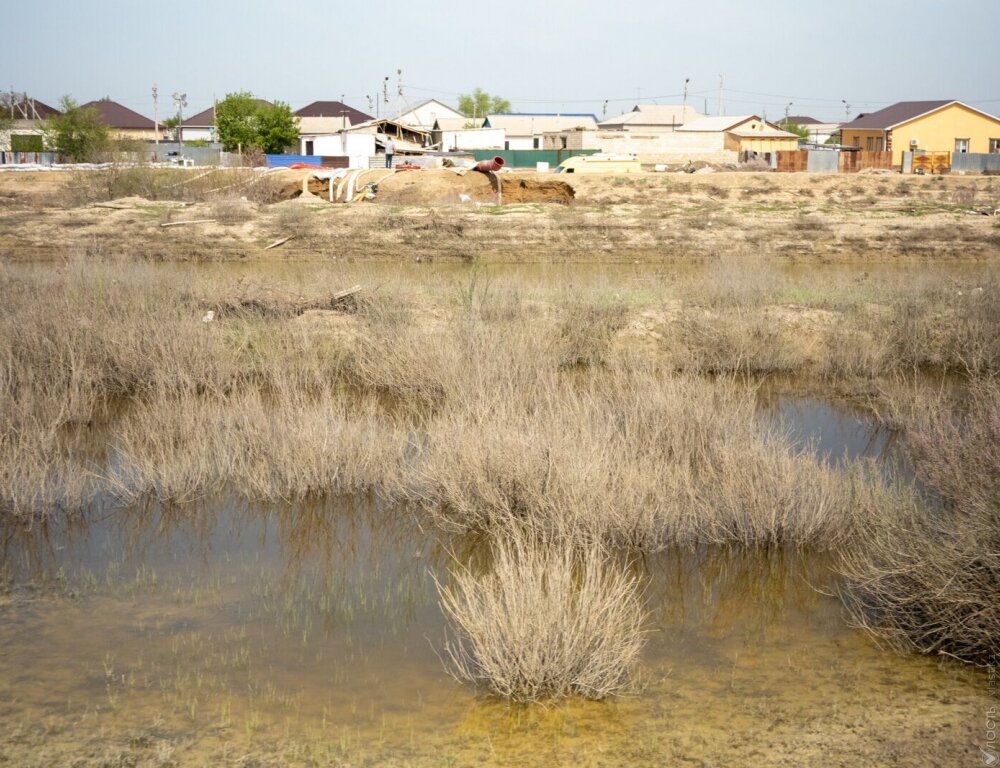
(655, 115)
(115, 115)
(717, 124)
(333, 109)
(896, 114)
(531, 124)
(802, 120)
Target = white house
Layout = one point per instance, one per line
(527, 130)
(461, 133)
(649, 118)
(426, 113)
(356, 146)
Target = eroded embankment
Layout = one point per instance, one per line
(649, 218)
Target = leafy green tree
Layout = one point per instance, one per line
(799, 130)
(478, 104)
(277, 128)
(78, 133)
(171, 126)
(236, 121)
(242, 121)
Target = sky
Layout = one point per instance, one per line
(543, 56)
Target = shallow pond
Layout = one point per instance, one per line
(310, 634)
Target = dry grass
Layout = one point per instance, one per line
(930, 580)
(545, 621)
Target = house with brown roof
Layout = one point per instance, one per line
(28, 116)
(123, 122)
(323, 119)
(932, 126)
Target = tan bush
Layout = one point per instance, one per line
(544, 621)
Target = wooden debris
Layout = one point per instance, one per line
(276, 243)
(189, 221)
(342, 296)
(113, 206)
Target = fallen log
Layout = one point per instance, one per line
(276, 243)
(189, 221)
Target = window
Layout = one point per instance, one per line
(870, 145)
(879, 144)
(857, 141)
(961, 146)
(535, 142)
(995, 146)
(506, 145)
(309, 148)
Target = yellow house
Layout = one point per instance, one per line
(934, 126)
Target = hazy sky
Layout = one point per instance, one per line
(545, 56)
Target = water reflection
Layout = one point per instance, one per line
(316, 626)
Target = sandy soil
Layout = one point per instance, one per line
(645, 217)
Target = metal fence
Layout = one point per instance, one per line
(977, 162)
(27, 158)
(529, 158)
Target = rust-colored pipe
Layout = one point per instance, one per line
(485, 166)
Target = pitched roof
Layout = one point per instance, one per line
(206, 118)
(531, 124)
(801, 120)
(900, 112)
(333, 109)
(655, 115)
(767, 132)
(717, 124)
(30, 109)
(456, 123)
(115, 115)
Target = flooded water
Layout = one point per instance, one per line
(311, 635)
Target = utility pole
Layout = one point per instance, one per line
(343, 114)
(721, 111)
(156, 116)
(385, 95)
(686, 81)
(847, 110)
(180, 101)
(787, 106)
(604, 111)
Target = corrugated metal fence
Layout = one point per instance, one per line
(977, 162)
(831, 161)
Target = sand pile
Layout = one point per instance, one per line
(436, 187)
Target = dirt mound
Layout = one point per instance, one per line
(435, 187)
(532, 189)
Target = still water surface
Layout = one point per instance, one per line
(312, 633)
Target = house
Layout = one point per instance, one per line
(934, 126)
(322, 118)
(28, 116)
(526, 130)
(462, 133)
(648, 118)
(123, 122)
(819, 132)
(747, 136)
(423, 116)
(201, 127)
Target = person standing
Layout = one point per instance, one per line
(390, 149)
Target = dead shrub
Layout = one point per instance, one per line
(544, 621)
(929, 579)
